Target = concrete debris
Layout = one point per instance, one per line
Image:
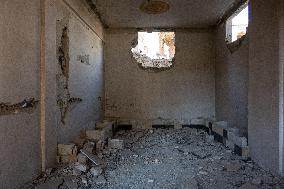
(115, 144)
(66, 149)
(81, 158)
(94, 159)
(182, 158)
(80, 167)
(96, 171)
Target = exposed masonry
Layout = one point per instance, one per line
(27, 105)
(64, 99)
(147, 63)
(234, 46)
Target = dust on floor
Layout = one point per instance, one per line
(182, 158)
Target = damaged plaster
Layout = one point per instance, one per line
(64, 99)
(27, 105)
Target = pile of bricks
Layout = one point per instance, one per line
(230, 138)
(91, 143)
(222, 133)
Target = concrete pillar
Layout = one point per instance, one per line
(265, 99)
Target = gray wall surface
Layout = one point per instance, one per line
(232, 82)
(20, 157)
(86, 81)
(264, 78)
(184, 92)
(19, 79)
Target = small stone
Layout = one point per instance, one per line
(84, 181)
(115, 144)
(80, 167)
(156, 161)
(151, 131)
(203, 173)
(81, 158)
(209, 138)
(150, 180)
(100, 180)
(256, 181)
(96, 171)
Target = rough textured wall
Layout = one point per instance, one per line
(85, 72)
(232, 82)
(263, 109)
(183, 92)
(19, 79)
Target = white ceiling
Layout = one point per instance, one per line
(182, 13)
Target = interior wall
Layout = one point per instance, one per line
(232, 82)
(19, 79)
(264, 85)
(181, 93)
(86, 79)
(20, 158)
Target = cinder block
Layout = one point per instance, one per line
(115, 144)
(82, 159)
(241, 151)
(230, 144)
(239, 141)
(198, 121)
(66, 149)
(102, 125)
(67, 159)
(89, 146)
(219, 127)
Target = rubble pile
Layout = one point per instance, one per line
(160, 158)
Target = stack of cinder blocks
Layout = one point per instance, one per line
(230, 138)
(222, 133)
(101, 134)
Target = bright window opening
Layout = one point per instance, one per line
(155, 49)
(237, 25)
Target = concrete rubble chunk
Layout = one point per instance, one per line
(89, 146)
(96, 171)
(209, 138)
(80, 167)
(91, 157)
(67, 159)
(81, 158)
(115, 144)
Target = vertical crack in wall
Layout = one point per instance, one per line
(64, 99)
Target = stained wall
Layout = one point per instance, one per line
(185, 91)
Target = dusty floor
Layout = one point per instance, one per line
(183, 158)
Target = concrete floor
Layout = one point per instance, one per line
(182, 158)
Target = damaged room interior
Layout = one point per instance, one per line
(126, 94)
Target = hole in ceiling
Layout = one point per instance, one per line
(154, 7)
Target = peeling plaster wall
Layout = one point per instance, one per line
(232, 82)
(19, 79)
(181, 93)
(85, 78)
(264, 79)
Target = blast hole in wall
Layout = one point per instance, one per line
(155, 49)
